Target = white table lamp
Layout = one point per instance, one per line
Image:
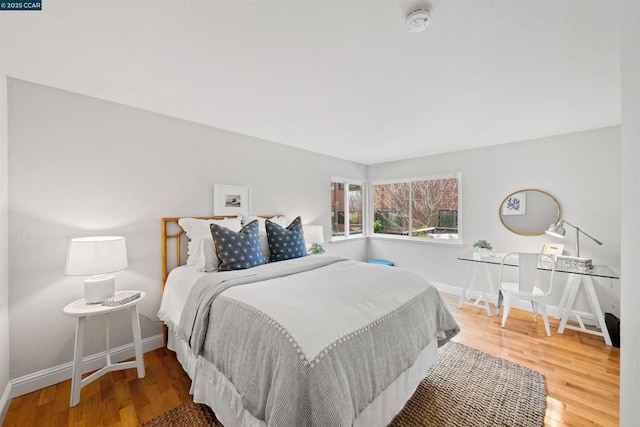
(313, 237)
(95, 257)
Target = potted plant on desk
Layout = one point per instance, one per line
(481, 248)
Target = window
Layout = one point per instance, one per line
(346, 208)
(354, 207)
(424, 208)
(391, 209)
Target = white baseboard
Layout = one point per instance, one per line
(4, 402)
(46, 377)
(552, 311)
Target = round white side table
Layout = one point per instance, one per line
(82, 310)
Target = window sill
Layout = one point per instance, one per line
(419, 240)
(348, 239)
(422, 241)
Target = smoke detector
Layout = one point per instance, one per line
(417, 20)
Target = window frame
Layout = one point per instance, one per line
(409, 181)
(346, 183)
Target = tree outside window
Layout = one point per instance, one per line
(391, 209)
(423, 208)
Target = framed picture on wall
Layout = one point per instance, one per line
(231, 200)
(516, 204)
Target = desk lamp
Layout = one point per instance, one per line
(557, 229)
(95, 257)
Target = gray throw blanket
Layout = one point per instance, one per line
(272, 374)
(194, 321)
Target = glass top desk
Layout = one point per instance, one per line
(565, 308)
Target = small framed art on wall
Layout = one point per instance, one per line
(231, 200)
(516, 204)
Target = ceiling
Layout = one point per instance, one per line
(342, 78)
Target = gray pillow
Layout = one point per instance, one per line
(238, 250)
(286, 243)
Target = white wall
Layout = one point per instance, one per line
(80, 166)
(4, 267)
(630, 135)
(581, 170)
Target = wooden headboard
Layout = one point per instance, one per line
(174, 246)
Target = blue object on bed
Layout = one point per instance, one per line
(286, 243)
(381, 262)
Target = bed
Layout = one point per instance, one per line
(310, 341)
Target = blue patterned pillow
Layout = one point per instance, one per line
(286, 243)
(238, 250)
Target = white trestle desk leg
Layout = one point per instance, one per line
(570, 300)
(137, 340)
(473, 278)
(107, 340)
(565, 294)
(76, 376)
(470, 280)
(597, 311)
(489, 288)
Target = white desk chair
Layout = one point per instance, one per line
(525, 288)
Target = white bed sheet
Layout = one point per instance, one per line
(176, 290)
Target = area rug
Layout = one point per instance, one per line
(466, 388)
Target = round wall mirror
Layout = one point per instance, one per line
(529, 212)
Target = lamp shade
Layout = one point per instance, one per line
(556, 229)
(313, 234)
(89, 256)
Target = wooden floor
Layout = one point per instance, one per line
(581, 372)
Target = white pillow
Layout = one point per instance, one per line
(282, 221)
(201, 252)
